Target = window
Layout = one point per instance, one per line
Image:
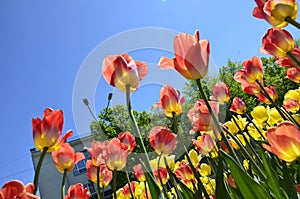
(80, 166)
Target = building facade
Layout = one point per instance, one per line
(50, 178)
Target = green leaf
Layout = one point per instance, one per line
(153, 186)
(272, 178)
(288, 184)
(221, 190)
(248, 187)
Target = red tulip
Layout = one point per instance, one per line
(271, 92)
(275, 12)
(200, 116)
(277, 42)
(191, 56)
(121, 70)
(231, 181)
(99, 152)
(170, 101)
(221, 93)
(15, 189)
(127, 141)
(116, 156)
(205, 144)
(288, 61)
(139, 173)
(105, 175)
(47, 132)
(184, 171)
(65, 158)
(252, 71)
(284, 141)
(163, 172)
(291, 105)
(77, 191)
(293, 74)
(162, 140)
(126, 190)
(238, 106)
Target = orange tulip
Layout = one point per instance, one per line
(105, 175)
(252, 71)
(277, 42)
(191, 56)
(162, 140)
(284, 141)
(293, 74)
(98, 152)
(288, 61)
(271, 92)
(47, 132)
(65, 158)
(77, 191)
(291, 105)
(184, 171)
(116, 156)
(276, 11)
(170, 101)
(205, 144)
(127, 141)
(238, 106)
(200, 116)
(121, 70)
(15, 189)
(221, 93)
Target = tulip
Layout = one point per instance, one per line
(284, 141)
(293, 74)
(254, 132)
(191, 56)
(251, 73)
(204, 144)
(221, 93)
(15, 189)
(162, 140)
(260, 114)
(291, 105)
(231, 181)
(47, 132)
(126, 190)
(77, 191)
(127, 141)
(121, 70)
(232, 127)
(200, 116)
(98, 152)
(288, 61)
(205, 170)
(271, 92)
(276, 11)
(162, 176)
(139, 173)
(277, 42)
(105, 175)
(170, 101)
(65, 158)
(238, 106)
(116, 156)
(184, 171)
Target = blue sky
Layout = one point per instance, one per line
(44, 43)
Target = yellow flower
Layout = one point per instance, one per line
(274, 117)
(260, 114)
(234, 144)
(205, 169)
(194, 156)
(232, 127)
(254, 133)
(170, 161)
(246, 164)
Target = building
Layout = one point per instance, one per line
(50, 178)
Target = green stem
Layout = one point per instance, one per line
(38, 169)
(135, 126)
(224, 138)
(98, 183)
(292, 21)
(129, 186)
(115, 184)
(293, 58)
(63, 184)
(174, 123)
